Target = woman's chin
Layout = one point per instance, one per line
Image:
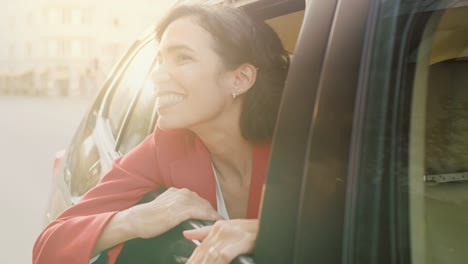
(168, 124)
(164, 126)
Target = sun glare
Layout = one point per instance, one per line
(54, 47)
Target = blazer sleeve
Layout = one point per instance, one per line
(71, 237)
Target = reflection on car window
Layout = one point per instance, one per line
(128, 86)
(140, 122)
(83, 169)
(445, 204)
(414, 163)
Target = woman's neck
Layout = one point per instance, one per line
(232, 158)
(231, 153)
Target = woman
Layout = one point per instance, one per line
(220, 76)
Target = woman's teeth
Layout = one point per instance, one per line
(170, 99)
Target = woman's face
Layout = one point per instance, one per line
(191, 85)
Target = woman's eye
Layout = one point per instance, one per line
(182, 58)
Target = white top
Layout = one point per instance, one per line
(95, 258)
(219, 197)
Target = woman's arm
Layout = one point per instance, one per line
(154, 218)
(106, 216)
(71, 237)
(115, 232)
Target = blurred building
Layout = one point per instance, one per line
(66, 47)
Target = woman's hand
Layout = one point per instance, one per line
(223, 241)
(168, 210)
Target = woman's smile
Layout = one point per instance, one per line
(168, 100)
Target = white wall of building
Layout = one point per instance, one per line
(51, 46)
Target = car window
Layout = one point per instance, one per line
(129, 85)
(292, 219)
(141, 120)
(412, 193)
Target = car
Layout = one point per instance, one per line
(369, 160)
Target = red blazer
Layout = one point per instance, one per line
(174, 158)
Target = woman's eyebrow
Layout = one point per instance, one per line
(174, 48)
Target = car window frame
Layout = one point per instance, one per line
(129, 114)
(103, 128)
(298, 127)
(126, 125)
(289, 146)
(337, 99)
(357, 135)
(391, 244)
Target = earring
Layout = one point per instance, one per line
(236, 93)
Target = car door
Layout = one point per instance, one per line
(407, 191)
(303, 209)
(368, 162)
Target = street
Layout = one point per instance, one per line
(32, 131)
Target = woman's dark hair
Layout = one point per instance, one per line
(241, 39)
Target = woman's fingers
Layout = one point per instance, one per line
(199, 212)
(197, 234)
(169, 209)
(223, 241)
(185, 204)
(208, 254)
(231, 251)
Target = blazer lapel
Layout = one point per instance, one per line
(261, 157)
(195, 172)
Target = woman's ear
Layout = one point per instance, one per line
(244, 78)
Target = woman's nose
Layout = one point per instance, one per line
(161, 74)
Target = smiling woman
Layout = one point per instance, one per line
(193, 88)
(219, 51)
(218, 82)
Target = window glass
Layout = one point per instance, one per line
(140, 122)
(445, 69)
(83, 165)
(413, 173)
(129, 85)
